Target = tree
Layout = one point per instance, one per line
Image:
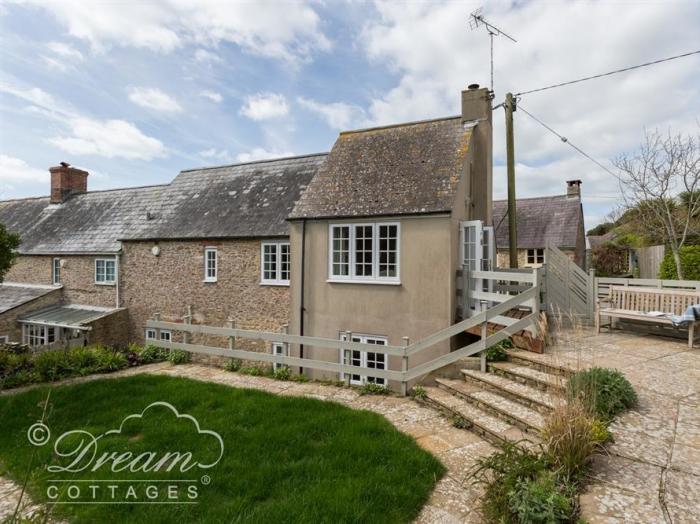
(9, 242)
(661, 183)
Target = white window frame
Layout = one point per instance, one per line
(279, 348)
(210, 276)
(352, 277)
(346, 356)
(166, 335)
(4, 339)
(36, 335)
(56, 271)
(106, 282)
(536, 252)
(278, 280)
(149, 334)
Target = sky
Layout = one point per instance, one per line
(136, 91)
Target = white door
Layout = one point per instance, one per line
(478, 253)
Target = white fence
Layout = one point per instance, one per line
(336, 347)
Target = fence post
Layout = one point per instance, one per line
(466, 306)
(404, 366)
(592, 294)
(482, 355)
(231, 340)
(187, 320)
(348, 338)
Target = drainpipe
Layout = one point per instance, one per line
(301, 306)
(118, 267)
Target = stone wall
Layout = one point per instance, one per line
(173, 280)
(111, 330)
(8, 320)
(77, 278)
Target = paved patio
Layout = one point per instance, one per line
(652, 473)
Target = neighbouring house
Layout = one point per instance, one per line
(380, 233)
(554, 220)
(609, 257)
(213, 242)
(219, 250)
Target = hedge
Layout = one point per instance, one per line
(690, 262)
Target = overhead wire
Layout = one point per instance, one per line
(601, 75)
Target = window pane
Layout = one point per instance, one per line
(100, 271)
(388, 242)
(110, 270)
(363, 251)
(270, 262)
(340, 266)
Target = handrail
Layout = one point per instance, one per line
(504, 275)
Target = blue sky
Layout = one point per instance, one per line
(134, 92)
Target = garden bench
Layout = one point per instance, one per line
(647, 305)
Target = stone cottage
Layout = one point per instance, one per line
(557, 220)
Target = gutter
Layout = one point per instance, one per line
(302, 309)
(117, 262)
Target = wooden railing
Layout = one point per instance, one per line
(529, 298)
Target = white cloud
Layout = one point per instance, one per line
(337, 115)
(16, 171)
(263, 106)
(288, 31)
(260, 153)
(153, 98)
(603, 117)
(65, 50)
(221, 155)
(61, 56)
(212, 95)
(33, 95)
(202, 55)
(110, 139)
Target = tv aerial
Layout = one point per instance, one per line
(476, 20)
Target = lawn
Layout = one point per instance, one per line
(284, 459)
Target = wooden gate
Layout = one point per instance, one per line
(568, 286)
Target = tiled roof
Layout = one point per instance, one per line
(14, 295)
(557, 219)
(410, 168)
(243, 200)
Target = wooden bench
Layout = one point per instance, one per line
(634, 303)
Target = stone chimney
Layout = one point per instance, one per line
(573, 189)
(476, 109)
(66, 181)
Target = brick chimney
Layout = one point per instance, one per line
(66, 181)
(476, 108)
(573, 189)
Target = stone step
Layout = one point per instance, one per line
(530, 376)
(512, 412)
(488, 426)
(527, 358)
(534, 398)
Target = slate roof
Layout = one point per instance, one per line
(243, 200)
(554, 218)
(404, 169)
(599, 240)
(14, 295)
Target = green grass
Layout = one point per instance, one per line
(285, 459)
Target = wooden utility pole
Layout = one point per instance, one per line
(509, 106)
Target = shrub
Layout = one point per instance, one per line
(372, 388)
(541, 500)
(283, 373)
(53, 365)
(83, 360)
(690, 263)
(300, 378)
(253, 371)
(178, 356)
(459, 422)
(151, 354)
(501, 473)
(497, 352)
(232, 364)
(571, 436)
(605, 392)
(109, 360)
(418, 392)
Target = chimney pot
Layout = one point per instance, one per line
(473, 86)
(66, 181)
(573, 189)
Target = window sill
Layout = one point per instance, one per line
(210, 281)
(105, 283)
(272, 283)
(354, 281)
